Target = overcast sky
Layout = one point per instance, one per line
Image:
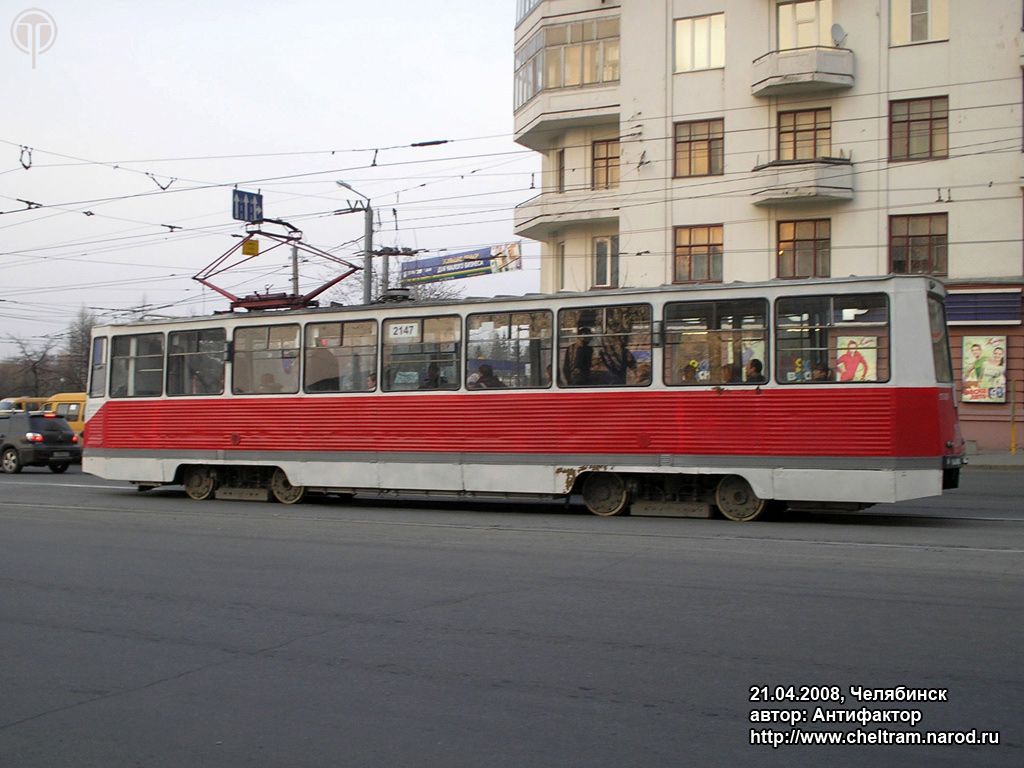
(285, 98)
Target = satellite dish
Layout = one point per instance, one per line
(838, 35)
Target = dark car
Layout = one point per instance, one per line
(37, 440)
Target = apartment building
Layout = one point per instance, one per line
(691, 141)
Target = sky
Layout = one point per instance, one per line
(140, 118)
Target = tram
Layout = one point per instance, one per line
(739, 397)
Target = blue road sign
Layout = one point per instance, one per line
(246, 206)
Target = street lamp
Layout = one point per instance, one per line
(367, 242)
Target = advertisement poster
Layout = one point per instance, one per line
(452, 266)
(856, 358)
(984, 369)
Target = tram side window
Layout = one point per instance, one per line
(605, 346)
(266, 360)
(940, 341)
(137, 365)
(421, 353)
(98, 371)
(716, 342)
(822, 339)
(195, 361)
(341, 357)
(508, 350)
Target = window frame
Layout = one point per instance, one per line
(931, 245)
(255, 388)
(187, 357)
(901, 20)
(562, 349)
(909, 122)
(608, 164)
(820, 150)
(822, 24)
(132, 370)
(780, 355)
(713, 147)
(98, 382)
(610, 259)
(687, 28)
(815, 249)
(308, 353)
(669, 347)
(473, 362)
(384, 363)
(715, 250)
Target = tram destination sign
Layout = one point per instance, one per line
(246, 206)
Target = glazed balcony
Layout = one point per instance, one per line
(803, 71)
(800, 182)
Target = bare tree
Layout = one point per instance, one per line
(350, 291)
(75, 359)
(35, 366)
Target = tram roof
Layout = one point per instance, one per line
(773, 287)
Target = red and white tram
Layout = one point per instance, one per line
(825, 392)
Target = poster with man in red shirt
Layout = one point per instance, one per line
(856, 358)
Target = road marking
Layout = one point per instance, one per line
(75, 485)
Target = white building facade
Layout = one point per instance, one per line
(688, 141)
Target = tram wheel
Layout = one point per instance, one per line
(737, 501)
(200, 483)
(605, 494)
(283, 490)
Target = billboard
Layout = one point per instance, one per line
(984, 369)
(452, 266)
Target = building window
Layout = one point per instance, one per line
(698, 255)
(700, 148)
(700, 43)
(804, 23)
(560, 170)
(805, 135)
(606, 262)
(918, 244)
(919, 21)
(606, 164)
(919, 129)
(567, 55)
(524, 7)
(560, 266)
(805, 248)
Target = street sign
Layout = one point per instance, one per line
(246, 206)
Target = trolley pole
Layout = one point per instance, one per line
(368, 255)
(295, 269)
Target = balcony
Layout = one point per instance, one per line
(539, 122)
(549, 212)
(800, 182)
(803, 71)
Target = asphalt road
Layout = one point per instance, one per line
(150, 630)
